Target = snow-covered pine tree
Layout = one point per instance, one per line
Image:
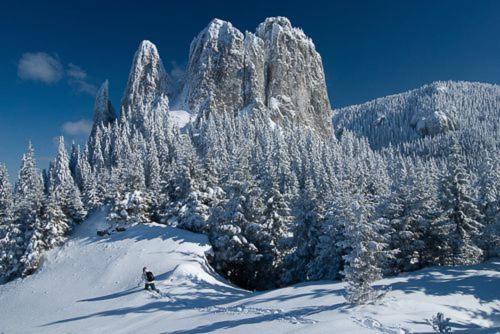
(306, 230)
(133, 175)
(234, 255)
(46, 179)
(28, 197)
(489, 176)
(152, 168)
(281, 158)
(328, 253)
(425, 211)
(90, 196)
(35, 246)
(86, 180)
(6, 200)
(276, 224)
(460, 210)
(404, 216)
(129, 199)
(368, 250)
(6, 219)
(64, 188)
(152, 171)
(74, 157)
(63, 204)
(55, 223)
(190, 199)
(489, 203)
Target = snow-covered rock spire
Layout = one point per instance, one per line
(147, 82)
(104, 112)
(214, 70)
(295, 84)
(276, 70)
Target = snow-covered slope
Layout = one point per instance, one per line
(91, 286)
(438, 108)
(180, 117)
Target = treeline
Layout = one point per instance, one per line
(280, 205)
(37, 214)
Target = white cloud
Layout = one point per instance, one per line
(76, 72)
(77, 78)
(83, 86)
(39, 66)
(78, 128)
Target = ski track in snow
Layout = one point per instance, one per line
(371, 323)
(277, 314)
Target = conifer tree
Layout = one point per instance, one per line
(64, 188)
(7, 222)
(73, 161)
(35, 245)
(29, 198)
(6, 200)
(327, 261)
(55, 223)
(489, 204)
(460, 210)
(234, 255)
(276, 224)
(405, 216)
(306, 231)
(368, 251)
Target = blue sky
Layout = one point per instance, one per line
(54, 54)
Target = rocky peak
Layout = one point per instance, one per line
(104, 112)
(270, 23)
(295, 85)
(220, 31)
(214, 71)
(276, 70)
(147, 81)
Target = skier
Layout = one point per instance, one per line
(149, 280)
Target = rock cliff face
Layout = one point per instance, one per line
(214, 77)
(294, 81)
(275, 71)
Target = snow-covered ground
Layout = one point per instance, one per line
(91, 286)
(180, 117)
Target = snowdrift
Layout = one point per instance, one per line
(91, 285)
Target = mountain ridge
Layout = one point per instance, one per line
(429, 111)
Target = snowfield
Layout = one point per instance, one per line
(91, 285)
(180, 117)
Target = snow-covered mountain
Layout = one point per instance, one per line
(275, 72)
(92, 285)
(148, 85)
(433, 110)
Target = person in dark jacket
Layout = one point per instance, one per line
(149, 280)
